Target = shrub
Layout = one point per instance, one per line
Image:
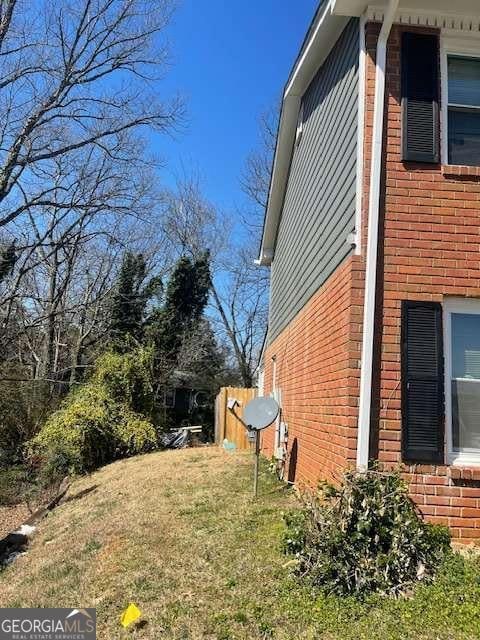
(81, 430)
(96, 423)
(55, 466)
(364, 537)
(127, 378)
(295, 534)
(134, 435)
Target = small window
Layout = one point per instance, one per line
(463, 380)
(167, 398)
(463, 111)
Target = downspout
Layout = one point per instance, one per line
(363, 435)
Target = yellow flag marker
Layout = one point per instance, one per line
(131, 614)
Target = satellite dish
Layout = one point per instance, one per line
(259, 413)
(200, 400)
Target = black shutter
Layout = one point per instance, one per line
(423, 424)
(420, 89)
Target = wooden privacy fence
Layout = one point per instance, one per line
(226, 424)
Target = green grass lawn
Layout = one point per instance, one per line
(179, 534)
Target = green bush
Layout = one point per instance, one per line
(127, 378)
(81, 430)
(134, 435)
(55, 466)
(295, 533)
(364, 537)
(96, 423)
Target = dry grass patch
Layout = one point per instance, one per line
(179, 534)
(171, 531)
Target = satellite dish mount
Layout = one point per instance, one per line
(259, 414)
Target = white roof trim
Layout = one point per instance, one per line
(437, 20)
(448, 10)
(324, 35)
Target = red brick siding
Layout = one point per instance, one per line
(317, 358)
(431, 250)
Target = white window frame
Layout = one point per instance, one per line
(465, 47)
(450, 306)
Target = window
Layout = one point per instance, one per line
(167, 398)
(463, 110)
(462, 388)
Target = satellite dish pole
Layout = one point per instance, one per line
(259, 414)
(257, 463)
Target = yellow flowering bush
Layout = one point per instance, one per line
(97, 423)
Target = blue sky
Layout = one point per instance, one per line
(230, 61)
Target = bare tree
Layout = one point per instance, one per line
(75, 184)
(54, 304)
(255, 177)
(239, 297)
(74, 75)
(244, 303)
(191, 222)
(238, 309)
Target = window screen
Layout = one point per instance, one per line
(465, 381)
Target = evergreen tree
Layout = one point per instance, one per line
(188, 288)
(185, 301)
(130, 300)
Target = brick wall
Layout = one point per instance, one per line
(431, 250)
(430, 227)
(317, 358)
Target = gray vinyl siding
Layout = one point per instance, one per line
(319, 209)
